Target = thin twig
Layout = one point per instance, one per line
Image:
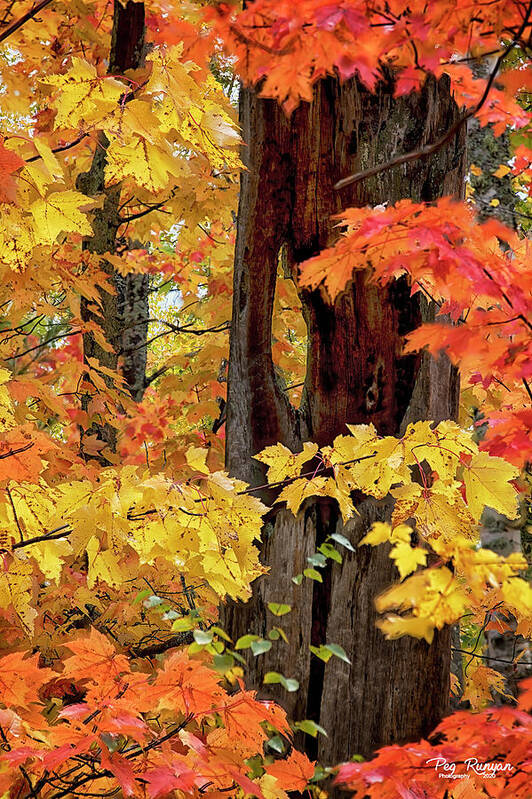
(490, 657)
(23, 19)
(8, 492)
(43, 344)
(11, 452)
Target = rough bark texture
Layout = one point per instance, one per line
(124, 316)
(392, 691)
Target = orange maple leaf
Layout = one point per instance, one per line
(294, 772)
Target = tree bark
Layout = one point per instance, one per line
(124, 315)
(356, 373)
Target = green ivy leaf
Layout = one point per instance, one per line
(278, 609)
(326, 651)
(245, 641)
(338, 651)
(221, 634)
(310, 727)
(202, 637)
(276, 743)
(330, 552)
(313, 575)
(318, 560)
(321, 652)
(341, 539)
(272, 677)
(260, 646)
(223, 663)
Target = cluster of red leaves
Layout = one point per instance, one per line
(99, 722)
(458, 264)
(473, 743)
(292, 45)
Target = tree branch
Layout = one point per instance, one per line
(43, 344)
(23, 19)
(430, 149)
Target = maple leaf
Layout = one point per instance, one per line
(94, 658)
(21, 451)
(84, 98)
(408, 558)
(283, 463)
(480, 682)
(61, 212)
(17, 238)
(294, 773)
(122, 770)
(487, 484)
(151, 166)
(381, 532)
(187, 686)
(177, 776)
(21, 679)
(394, 626)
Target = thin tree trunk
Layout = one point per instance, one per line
(124, 315)
(392, 691)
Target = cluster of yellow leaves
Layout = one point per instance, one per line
(159, 135)
(440, 484)
(170, 135)
(129, 521)
(367, 462)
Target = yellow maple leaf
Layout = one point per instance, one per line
(439, 511)
(407, 558)
(84, 98)
(17, 239)
(295, 493)
(196, 459)
(51, 163)
(394, 626)
(487, 484)
(16, 589)
(381, 532)
(103, 565)
(50, 556)
(518, 594)
(60, 212)
(7, 419)
(479, 684)
(283, 463)
(148, 165)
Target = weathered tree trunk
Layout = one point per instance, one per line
(124, 316)
(392, 691)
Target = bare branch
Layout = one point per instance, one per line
(414, 155)
(23, 19)
(43, 344)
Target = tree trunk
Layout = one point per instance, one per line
(124, 317)
(392, 691)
